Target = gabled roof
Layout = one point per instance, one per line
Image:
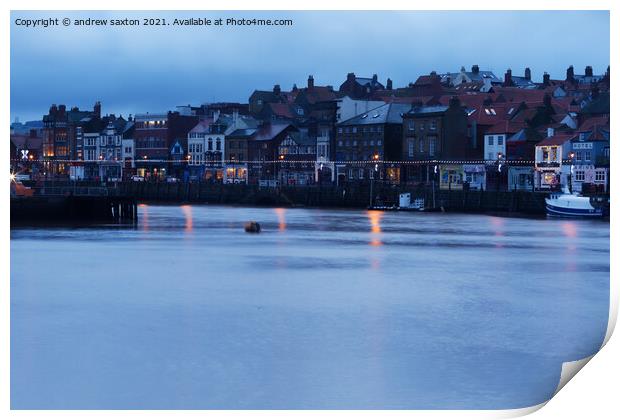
(556, 140)
(202, 126)
(242, 133)
(391, 113)
(302, 138)
(269, 131)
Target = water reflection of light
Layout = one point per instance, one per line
(375, 226)
(281, 213)
(189, 219)
(144, 215)
(497, 224)
(569, 229)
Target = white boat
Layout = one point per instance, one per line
(566, 204)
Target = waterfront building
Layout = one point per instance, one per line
(552, 167)
(154, 136)
(296, 156)
(366, 140)
(434, 133)
(263, 147)
(62, 137)
(591, 156)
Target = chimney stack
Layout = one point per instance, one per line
(388, 85)
(350, 77)
(374, 79)
(508, 78)
(528, 73)
(570, 74)
(455, 102)
(475, 69)
(97, 109)
(310, 82)
(546, 79)
(276, 89)
(588, 71)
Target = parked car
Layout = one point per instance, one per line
(172, 179)
(137, 178)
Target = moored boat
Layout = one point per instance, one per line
(565, 204)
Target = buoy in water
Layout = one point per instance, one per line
(252, 227)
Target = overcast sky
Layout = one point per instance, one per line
(139, 69)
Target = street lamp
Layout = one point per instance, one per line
(571, 156)
(375, 158)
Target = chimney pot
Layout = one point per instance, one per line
(475, 69)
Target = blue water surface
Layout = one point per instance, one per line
(325, 309)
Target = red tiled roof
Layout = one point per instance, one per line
(281, 110)
(505, 127)
(556, 140)
(594, 122)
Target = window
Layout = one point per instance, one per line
(354, 130)
(490, 156)
(433, 125)
(410, 147)
(411, 125)
(490, 141)
(379, 142)
(421, 145)
(599, 176)
(339, 142)
(500, 140)
(587, 155)
(580, 176)
(340, 130)
(431, 147)
(218, 145)
(578, 155)
(361, 174)
(554, 153)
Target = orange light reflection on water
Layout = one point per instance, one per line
(189, 219)
(144, 216)
(281, 213)
(375, 216)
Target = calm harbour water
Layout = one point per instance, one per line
(325, 309)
